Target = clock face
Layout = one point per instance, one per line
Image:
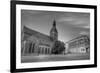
(53, 32)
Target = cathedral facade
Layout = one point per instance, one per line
(34, 42)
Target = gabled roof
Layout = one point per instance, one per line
(37, 34)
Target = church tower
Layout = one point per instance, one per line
(54, 32)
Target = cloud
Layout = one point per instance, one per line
(87, 27)
(77, 20)
(66, 19)
(84, 33)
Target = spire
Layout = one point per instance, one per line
(54, 32)
(54, 23)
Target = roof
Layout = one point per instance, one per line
(78, 38)
(54, 27)
(31, 32)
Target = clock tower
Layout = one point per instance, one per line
(54, 32)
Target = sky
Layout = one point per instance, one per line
(69, 24)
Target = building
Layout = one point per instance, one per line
(34, 42)
(66, 50)
(54, 32)
(79, 45)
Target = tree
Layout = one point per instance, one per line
(58, 47)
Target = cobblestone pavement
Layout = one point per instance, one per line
(45, 58)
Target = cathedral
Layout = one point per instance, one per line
(34, 42)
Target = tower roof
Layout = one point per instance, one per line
(53, 29)
(54, 23)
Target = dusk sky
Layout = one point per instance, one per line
(69, 24)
